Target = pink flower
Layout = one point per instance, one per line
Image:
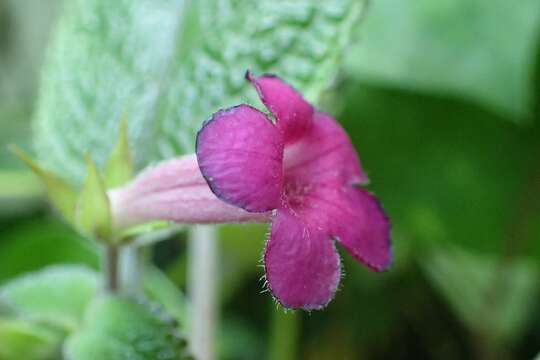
(304, 169)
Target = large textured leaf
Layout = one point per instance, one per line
(117, 328)
(56, 295)
(483, 50)
(24, 340)
(169, 64)
(24, 30)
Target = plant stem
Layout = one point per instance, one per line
(202, 272)
(110, 268)
(130, 270)
(284, 335)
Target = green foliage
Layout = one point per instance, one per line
(24, 31)
(59, 296)
(56, 295)
(14, 129)
(453, 47)
(23, 37)
(446, 172)
(118, 328)
(159, 288)
(93, 213)
(89, 210)
(237, 340)
(241, 247)
(491, 296)
(31, 244)
(23, 340)
(171, 63)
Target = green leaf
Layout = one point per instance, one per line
(238, 338)
(56, 295)
(492, 297)
(171, 64)
(119, 169)
(24, 31)
(60, 193)
(162, 290)
(93, 215)
(447, 155)
(14, 129)
(30, 245)
(24, 340)
(453, 47)
(118, 328)
(240, 255)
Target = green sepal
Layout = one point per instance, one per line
(93, 214)
(55, 296)
(119, 168)
(61, 194)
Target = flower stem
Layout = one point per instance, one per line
(284, 334)
(110, 268)
(130, 268)
(203, 258)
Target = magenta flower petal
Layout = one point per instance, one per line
(240, 154)
(302, 266)
(305, 167)
(324, 155)
(293, 113)
(351, 215)
(364, 229)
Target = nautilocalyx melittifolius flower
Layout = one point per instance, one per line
(298, 171)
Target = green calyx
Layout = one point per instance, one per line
(88, 209)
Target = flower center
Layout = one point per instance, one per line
(296, 192)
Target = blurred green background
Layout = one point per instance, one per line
(442, 101)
